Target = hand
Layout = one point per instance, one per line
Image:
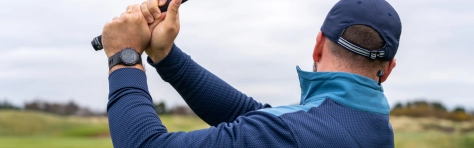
(164, 28)
(128, 30)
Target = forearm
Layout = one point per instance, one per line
(209, 97)
(132, 117)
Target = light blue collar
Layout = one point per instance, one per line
(351, 90)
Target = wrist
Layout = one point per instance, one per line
(128, 57)
(116, 67)
(157, 55)
(109, 52)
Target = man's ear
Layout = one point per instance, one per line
(389, 69)
(318, 48)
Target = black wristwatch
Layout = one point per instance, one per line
(128, 57)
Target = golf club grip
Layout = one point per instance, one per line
(97, 41)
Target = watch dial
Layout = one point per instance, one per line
(129, 57)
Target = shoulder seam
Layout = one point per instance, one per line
(304, 108)
(345, 105)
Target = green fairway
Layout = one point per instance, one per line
(23, 129)
(26, 123)
(432, 133)
(432, 140)
(54, 142)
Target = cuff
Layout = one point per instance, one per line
(127, 78)
(171, 66)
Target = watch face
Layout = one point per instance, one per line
(129, 56)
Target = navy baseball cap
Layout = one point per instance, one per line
(378, 14)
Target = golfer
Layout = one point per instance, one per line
(342, 101)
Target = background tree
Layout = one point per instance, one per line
(438, 106)
(7, 105)
(66, 109)
(398, 106)
(160, 108)
(459, 114)
(71, 108)
(182, 110)
(421, 108)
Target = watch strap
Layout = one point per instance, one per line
(115, 59)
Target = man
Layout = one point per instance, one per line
(342, 104)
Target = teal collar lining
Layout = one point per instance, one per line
(351, 90)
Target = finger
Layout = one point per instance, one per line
(136, 9)
(129, 9)
(123, 15)
(162, 2)
(172, 14)
(146, 13)
(156, 22)
(153, 8)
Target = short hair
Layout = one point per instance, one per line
(365, 37)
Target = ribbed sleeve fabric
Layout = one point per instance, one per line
(212, 99)
(133, 122)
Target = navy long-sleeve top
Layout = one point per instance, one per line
(336, 110)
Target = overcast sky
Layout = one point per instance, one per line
(253, 45)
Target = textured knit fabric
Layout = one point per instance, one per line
(238, 120)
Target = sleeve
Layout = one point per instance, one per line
(133, 122)
(212, 99)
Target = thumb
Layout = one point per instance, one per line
(156, 22)
(172, 14)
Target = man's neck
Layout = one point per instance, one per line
(338, 67)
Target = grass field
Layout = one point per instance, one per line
(432, 140)
(20, 129)
(432, 133)
(23, 129)
(54, 142)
